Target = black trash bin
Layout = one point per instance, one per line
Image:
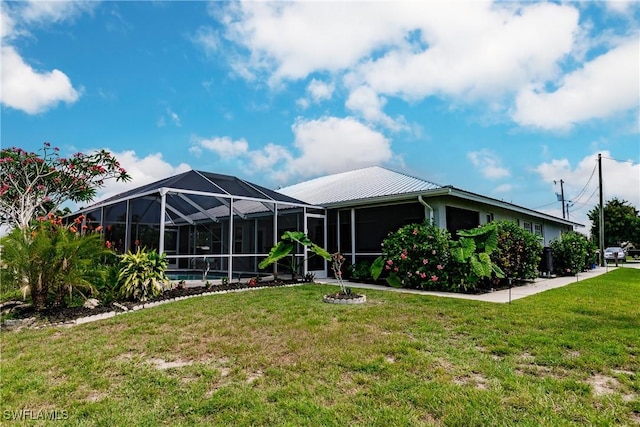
(546, 263)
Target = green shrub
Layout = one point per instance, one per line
(472, 267)
(359, 271)
(519, 251)
(570, 253)
(415, 256)
(142, 274)
(50, 261)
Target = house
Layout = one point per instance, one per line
(223, 226)
(364, 205)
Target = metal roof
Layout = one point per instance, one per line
(374, 184)
(367, 183)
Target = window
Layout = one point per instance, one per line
(527, 226)
(461, 219)
(489, 218)
(537, 229)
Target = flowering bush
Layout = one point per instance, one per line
(416, 256)
(49, 260)
(518, 252)
(570, 253)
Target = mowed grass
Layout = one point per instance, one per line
(569, 356)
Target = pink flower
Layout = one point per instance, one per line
(415, 232)
(386, 267)
(403, 256)
(425, 261)
(434, 278)
(439, 267)
(395, 269)
(389, 262)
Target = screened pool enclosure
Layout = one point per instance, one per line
(207, 223)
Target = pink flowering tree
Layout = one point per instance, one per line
(415, 256)
(36, 184)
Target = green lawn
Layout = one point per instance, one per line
(279, 356)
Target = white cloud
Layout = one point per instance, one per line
(488, 163)
(411, 49)
(332, 144)
(142, 170)
(503, 188)
(365, 101)
(207, 38)
(26, 89)
(320, 91)
(466, 52)
(621, 6)
(291, 40)
(36, 11)
(23, 87)
(484, 53)
(606, 85)
(225, 147)
(322, 146)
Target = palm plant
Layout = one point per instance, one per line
(142, 274)
(49, 261)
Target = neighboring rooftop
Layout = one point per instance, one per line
(359, 184)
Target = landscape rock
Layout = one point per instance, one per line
(91, 303)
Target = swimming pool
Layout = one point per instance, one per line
(212, 275)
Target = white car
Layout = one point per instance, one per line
(610, 254)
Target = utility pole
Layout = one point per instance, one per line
(561, 195)
(601, 209)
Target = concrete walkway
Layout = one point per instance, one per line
(502, 296)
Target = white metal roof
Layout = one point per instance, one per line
(366, 183)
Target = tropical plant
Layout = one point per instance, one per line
(415, 256)
(143, 274)
(49, 260)
(518, 252)
(286, 248)
(472, 257)
(570, 253)
(35, 184)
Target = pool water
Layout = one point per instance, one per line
(212, 275)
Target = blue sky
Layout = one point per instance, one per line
(497, 98)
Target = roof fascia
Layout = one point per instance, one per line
(510, 206)
(388, 199)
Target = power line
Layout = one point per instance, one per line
(576, 198)
(620, 160)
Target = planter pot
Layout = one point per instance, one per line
(345, 299)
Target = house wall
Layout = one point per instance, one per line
(374, 222)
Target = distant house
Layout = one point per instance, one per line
(364, 205)
(223, 225)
